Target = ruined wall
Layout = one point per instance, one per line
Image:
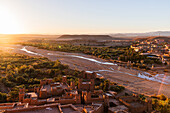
(56, 92)
(72, 85)
(98, 110)
(67, 101)
(64, 80)
(87, 86)
(43, 94)
(41, 102)
(27, 100)
(89, 76)
(31, 108)
(92, 85)
(88, 99)
(78, 99)
(33, 102)
(44, 82)
(7, 105)
(145, 106)
(21, 94)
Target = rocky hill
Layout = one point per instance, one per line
(166, 39)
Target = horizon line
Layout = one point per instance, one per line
(83, 33)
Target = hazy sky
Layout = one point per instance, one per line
(83, 16)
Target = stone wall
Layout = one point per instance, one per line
(31, 108)
(145, 106)
(86, 86)
(43, 94)
(100, 109)
(89, 76)
(7, 105)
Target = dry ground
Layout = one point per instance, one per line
(119, 74)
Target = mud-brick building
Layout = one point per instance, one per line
(86, 75)
(86, 86)
(135, 105)
(50, 92)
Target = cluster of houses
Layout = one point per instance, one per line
(60, 97)
(157, 48)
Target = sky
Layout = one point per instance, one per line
(83, 16)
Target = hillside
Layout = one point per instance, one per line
(166, 39)
(92, 37)
(141, 35)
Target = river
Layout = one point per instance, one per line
(134, 80)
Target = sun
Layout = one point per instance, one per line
(8, 22)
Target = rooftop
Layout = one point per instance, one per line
(69, 109)
(45, 110)
(50, 108)
(86, 82)
(118, 108)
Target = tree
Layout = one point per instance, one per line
(162, 97)
(3, 97)
(117, 88)
(21, 80)
(22, 69)
(106, 85)
(13, 96)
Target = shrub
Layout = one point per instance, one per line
(117, 88)
(3, 97)
(165, 70)
(13, 96)
(162, 97)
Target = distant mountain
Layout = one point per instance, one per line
(117, 36)
(86, 37)
(166, 39)
(157, 33)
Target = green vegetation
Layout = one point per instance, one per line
(159, 103)
(142, 97)
(3, 97)
(18, 71)
(117, 88)
(22, 71)
(124, 54)
(162, 97)
(106, 85)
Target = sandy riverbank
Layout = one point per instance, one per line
(121, 75)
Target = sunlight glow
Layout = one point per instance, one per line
(161, 85)
(8, 22)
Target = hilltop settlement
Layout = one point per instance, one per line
(35, 84)
(61, 97)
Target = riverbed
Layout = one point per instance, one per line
(134, 80)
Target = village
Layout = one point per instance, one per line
(60, 97)
(156, 49)
(88, 56)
